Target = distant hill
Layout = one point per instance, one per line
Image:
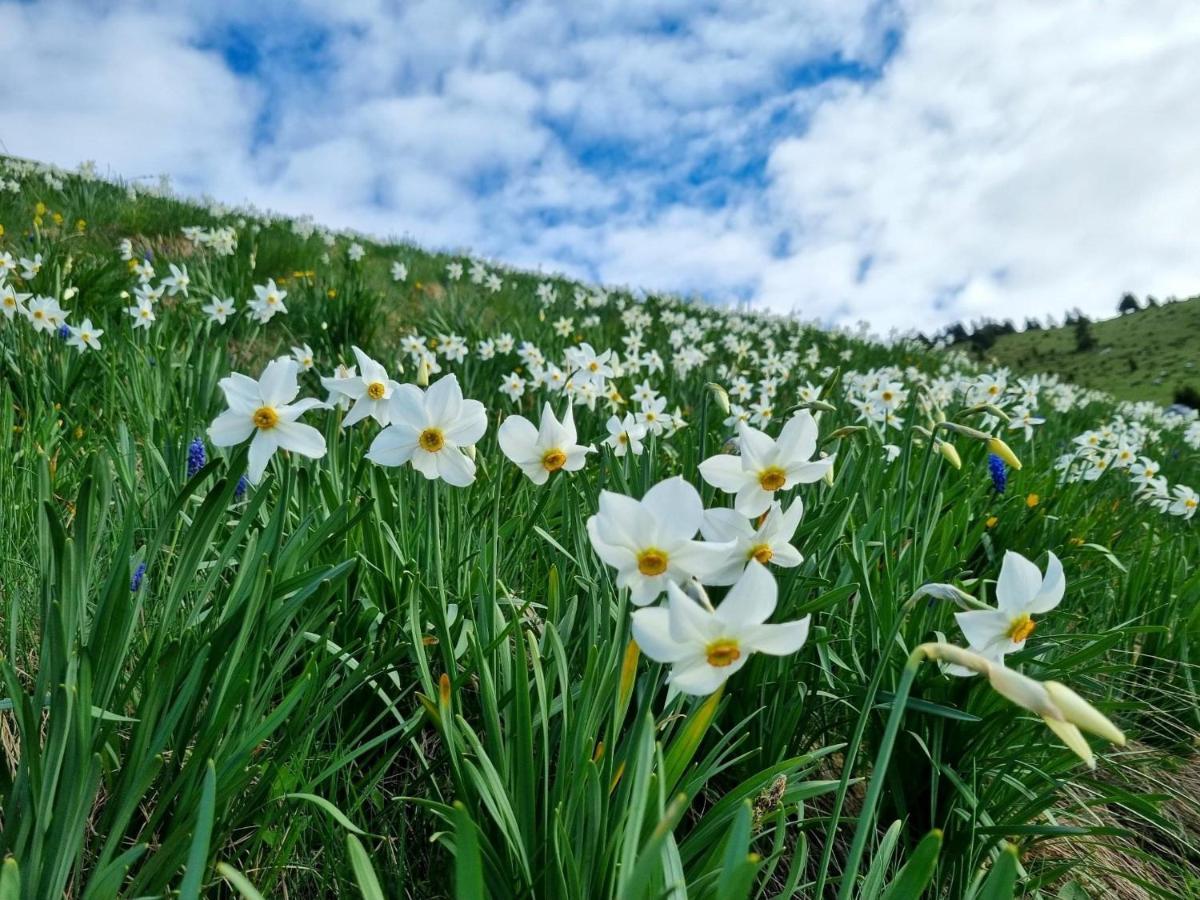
(1143, 355)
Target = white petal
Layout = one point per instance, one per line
(725, 525)
(651, 630)
(984, 628)
(470, 425)
(752, 599)
(278, 383)
(798, 439)
(230, 428)
(455, 467)
(778, 640)
(676, 508)
(443, 401)
(262, 448)
(701, 679)
(1019, 583)
(725, 472)
(300, 438)
(393, 446)
(1054, 585)
(518, 440)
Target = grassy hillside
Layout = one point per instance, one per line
(1144, 355)
(566, 593)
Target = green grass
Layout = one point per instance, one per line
(351, 681)
(1145, 355)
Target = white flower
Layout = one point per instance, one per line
(355, 252)
(178, 281)
(1185, 502)
(1064, 711)
(11, 302)
(428, 428)
(143, 314)
(768, 543)
(337, 397)
(650, 542)
(705, 646)
(268, 300)
(513, 386)
(303, 355)
(1020, 591)
(543, 450)
(767, 466)
(625, 435)
(399, 271)
(371, 391)
(219, 309)
(85, 337)
(31, 267)
(44, 313)
(264, 409)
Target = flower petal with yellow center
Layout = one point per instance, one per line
(772, 478)
(1021, 628)
(265, 418)
(432, 440)
(722, 652)
(553, 460)
(652, 562)
(376, 390)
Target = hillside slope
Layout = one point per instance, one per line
(1145, 355)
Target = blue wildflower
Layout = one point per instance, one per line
(196, 457)
(64, 332)
(998, 472)
(135, 583)
(240, 491)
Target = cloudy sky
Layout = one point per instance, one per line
(907, 163)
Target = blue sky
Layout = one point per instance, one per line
(907, 162)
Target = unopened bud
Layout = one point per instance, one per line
(1002, 450)
(949, 451)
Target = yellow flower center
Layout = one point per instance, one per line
(38, 314)
(432, 440)
(652, 562)
(887, 396)
(772, 478)
(1021, 628)
(265, 418)
(375, 390)
(722, 652)
(594, 366)
(553, 460)
(762, 552)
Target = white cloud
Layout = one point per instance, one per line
(1022, 158)
(1012, 158)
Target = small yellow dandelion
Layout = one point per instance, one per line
(991, 521)
(1032, 500)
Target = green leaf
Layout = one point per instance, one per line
(193, 875)
(1002, 880)
(364, 872)
(10, 880)
(912, 880)
(468, 864)
(239, 881)
(328, 807)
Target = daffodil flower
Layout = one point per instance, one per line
(429, 429)
(706, 646)
(263, 411)
(371, 391)
(1021, 591)
(650, 542)
(766, 465)
(1064, 711)
(768, 543)
(541, 451)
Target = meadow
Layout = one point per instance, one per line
(332, 567)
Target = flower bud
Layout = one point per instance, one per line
(1002, 450)
(720, 395)
(949, 451)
